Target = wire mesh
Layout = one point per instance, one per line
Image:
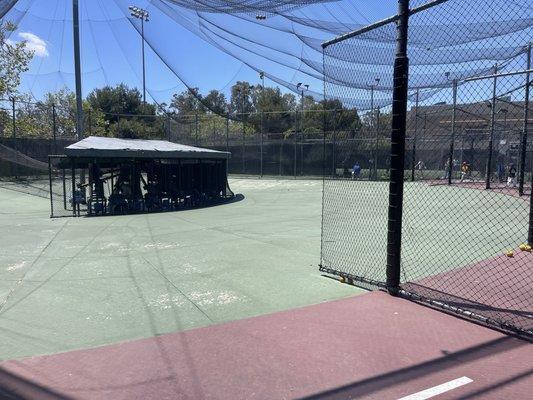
(466, 215)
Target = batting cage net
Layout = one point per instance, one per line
(466, 229)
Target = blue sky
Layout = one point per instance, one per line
(176, 56)
(191, 48)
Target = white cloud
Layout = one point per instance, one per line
(35, 43)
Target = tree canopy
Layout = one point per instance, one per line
(14, 60)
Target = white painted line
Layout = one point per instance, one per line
(436, 390)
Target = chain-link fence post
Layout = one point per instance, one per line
(452, 139)
(302, 142)
(196, 129)
(488, 169)
(295, 144)
(50, 186)
(261, 146)
(54, 127)
(14, 120)
(523, 142)
(90, 122)
(376, 149)
(415, 134)
(14, 126)
(397, 157)
(243, 147)
(227, 133)
(334, 143)
(168, 127)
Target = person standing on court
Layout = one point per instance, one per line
(356, 171)
(511, 176)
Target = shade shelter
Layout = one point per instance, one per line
(100, 175)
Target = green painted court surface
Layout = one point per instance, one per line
(74, 283)
(71, 283)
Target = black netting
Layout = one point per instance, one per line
(466, 231)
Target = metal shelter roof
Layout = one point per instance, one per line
(104, 147)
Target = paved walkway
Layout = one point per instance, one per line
(366, 347)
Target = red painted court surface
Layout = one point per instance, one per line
(366, 347)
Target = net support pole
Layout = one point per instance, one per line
(452, 140)
(77, 68)
(488, 169)
(523, 144)
(413, 155)
(397, 157)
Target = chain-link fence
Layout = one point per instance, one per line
(466, 230)
(29, 132)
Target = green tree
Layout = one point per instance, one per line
(114, 101)
(241, 101)
(187, 103)
(215, 101)
(14, 60)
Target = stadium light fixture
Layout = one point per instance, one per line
(144, 16)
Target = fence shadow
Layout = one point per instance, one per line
(14, 387)
(448, 360)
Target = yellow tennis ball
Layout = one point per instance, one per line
(523, 246)
(528, 248)
(509, 253)
(343, 279)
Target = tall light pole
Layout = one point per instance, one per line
(77, 68)
(143, 15)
